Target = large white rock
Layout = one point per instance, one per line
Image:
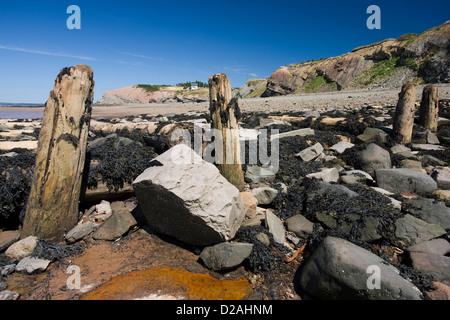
(186, 197)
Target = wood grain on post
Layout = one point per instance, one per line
(52, 207)
(429, 108)
(404, 114)
(224, 112)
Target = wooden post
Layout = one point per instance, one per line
(52, 207)
(224, 112)
(404, 114)
(429, 108)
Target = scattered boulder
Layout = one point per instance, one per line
(301, 226)
(426, 147)
(184, 196)
(115, 226)
(310, 153)
(264, 195)
(115, 141)
(410, 231)
(250, 203)
(22, 248)
(225, 255)
(374, 157)
(339, 269)
(404, 180)
(431, 211)
(104, 207)
(427, 137)
(341, 146)
(80, 231)
(326, 174)
(436, 265)
(436, 246)
(399, 148)
(32, 265)
(355, 176)
(371, 135)
(276, 227)
(442, 178)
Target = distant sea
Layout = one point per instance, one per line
(21, 110)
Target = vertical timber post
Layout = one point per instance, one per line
(52, 207)
(404, 114)
(224, 111)
(429, 108)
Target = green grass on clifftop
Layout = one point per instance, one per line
(148, 87)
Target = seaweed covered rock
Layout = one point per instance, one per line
(355, 212)
(118, 161)
(184, 196)
(263, 257)
(338, 269)
(15, 182)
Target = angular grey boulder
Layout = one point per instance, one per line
(32, 265)
(410, 231)
(339, 269)
(184, 196)
(276, 227)
(115, 226)
(405, 180)
(310, 153)
(225, 255)
(429, 210)
(80, 231)
(264, 195)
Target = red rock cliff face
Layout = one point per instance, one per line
(389, 63)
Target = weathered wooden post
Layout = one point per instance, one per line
(224, 112)
(404, 114)
(429, 108)
(52, 207)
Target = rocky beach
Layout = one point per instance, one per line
(346, 202)
(327, 180)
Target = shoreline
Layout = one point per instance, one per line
(324, 100)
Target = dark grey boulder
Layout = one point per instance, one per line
(339, 269)
(404, 180)
(410, 231)
(429, 210)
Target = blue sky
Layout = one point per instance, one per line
(167, 42)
